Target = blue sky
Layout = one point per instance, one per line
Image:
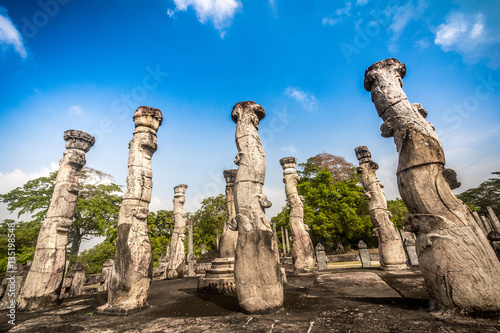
(87, 65)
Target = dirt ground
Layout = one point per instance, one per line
(333, 300)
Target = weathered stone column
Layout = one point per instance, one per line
(459, 266)
(257, 272)
(283, 242)
(390, 247)
(321, 256)
(229, 237)
(132, 269)
(303, 250)
(107, 267)
(175, 266)
(190, 238)
(77, 276)
(364, 255)
(43, 283)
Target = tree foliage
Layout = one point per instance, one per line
(339, 168)
(398, 211)
(486, 194)
(207, 220)
(26, 234)
(160, 228)
(94, 258)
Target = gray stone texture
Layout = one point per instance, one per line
(132, 268)
(390, 247)
(77, 276)
(175, 266)
(44, 281)
(321, 256)
(303, 250)
(259, 281)
(364, 255)
(411, 251)
(229, 237)
(459, 266)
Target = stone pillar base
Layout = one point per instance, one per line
(394, 267)
(110, 310)
(219, 279)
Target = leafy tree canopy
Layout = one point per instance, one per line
(160, 228)
(398, 211)
(26, 234)
(207, 220)
(339, 168)
(486, 194)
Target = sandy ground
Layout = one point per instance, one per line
(333, 300)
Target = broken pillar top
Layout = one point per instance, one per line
(363, 154)
(320, 247)
(451, 178)
(388, 65)
(180, 190)
(230, 175)
(78, 140)
(148, 117)
(362, 245)
(77, 266)
(247, 107)
(288, 162)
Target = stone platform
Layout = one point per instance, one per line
(219, 279)
(333, 300)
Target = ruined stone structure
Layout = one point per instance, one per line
(321, 256)
(219, 279)
(390, 247)
(12, 283)
(191, 258)
(411, 252)
(459, 266)
(303, 250)
(175, 266)
(257, 273)
(364, 255)
(132, 268)
(107, 268)
(283, 242)
(77, 276)
(43, 283)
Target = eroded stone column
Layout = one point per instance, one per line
(257, 272)
(43, 283)
(229, 237)
(303, 250)
(132, 268)
(390, 247)
(459, 266)
(176, 264)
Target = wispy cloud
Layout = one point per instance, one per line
(402, 17)
(76, 110)
(220, 12)
(306, 100)
(289, 149)
(9, 35)
(17, 177)
(361, 2)
(340, 13)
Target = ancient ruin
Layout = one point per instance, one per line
(460, 268)
(390, 247)
(175, 266)
(219, 279)
(132, 269)
(364, 255)
(321, 256)
(303, 250)
(43, 284)
(191, 258)
(258, 282)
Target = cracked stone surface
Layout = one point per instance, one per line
(390, 247)
(459, 266)
(303, 250)
(176, 264)
(43, 283)
(132, 268)
(259, 281)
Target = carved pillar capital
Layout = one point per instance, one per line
(78, 140)
(288, 165)
(230, 176)
(146, 117)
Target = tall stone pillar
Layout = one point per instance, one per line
(43, 283)
(229, 237)
(303, 250)
(390, 247)
(283, 242)
(257, 272)
(459, 266)
(190, 238)
(132, 268)
(176, 265)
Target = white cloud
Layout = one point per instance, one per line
(330, 21)
(340, 13)
(220, 12)
(76, 110)
(289, 149)
(361, 2)
(306, 100)
(402, 17)
(9, 35)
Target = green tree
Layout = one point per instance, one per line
(398, 211)
(207, 220)
(160, 228)
(97, 210)
(26, 234)
(486, 194)
(94, 258)
(339, 168)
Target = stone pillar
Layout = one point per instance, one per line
(390, 246)
(493, 218)
(459, 266)
(283, 242)
(176, 264)
(230, 236)
(303, 250)
(411, 252)
(287, 238)
(364, 255)
(480, 223)
(494, 238)
(321, 256)
(43, 283)
(190, 239)
(275, 234)
(107, 267)
(15, 276)
(132, 269)
(77, 276)
(258, 282)
(203, 249)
